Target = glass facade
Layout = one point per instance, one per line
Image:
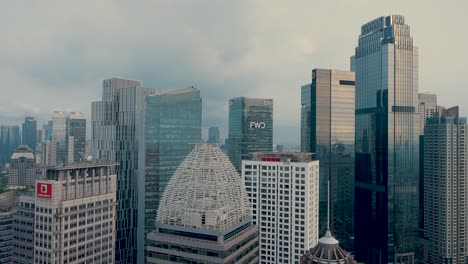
(327, 130)
(173, 124)
(59, 138)
(250, 128)
(9, 142)
(213, 135)
(76, 137)
(29, 133)
(387, 138)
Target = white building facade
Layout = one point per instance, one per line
(284, 193)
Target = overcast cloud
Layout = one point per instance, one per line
(54, 54)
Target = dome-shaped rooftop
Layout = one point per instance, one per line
(327, 251)
(23, 151)
(205, 192)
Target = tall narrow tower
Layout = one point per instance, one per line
(387, 151)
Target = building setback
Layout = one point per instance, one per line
(250, 128)
(327, 130)
(75, 215)
(387, 143)
(284, 190)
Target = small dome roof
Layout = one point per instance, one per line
(205, 192)
(23, 151)
(327, 251)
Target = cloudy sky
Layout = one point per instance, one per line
(54, 54)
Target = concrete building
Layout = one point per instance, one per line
(22, 170)
(387, 143)
(76, 138)
(327, 130)
(7, 211)
(116, 134)
(23, 225)
(29, 133)
(75, 215)
(284, 192)
(204, 216)
(250, 128)
(445, 186)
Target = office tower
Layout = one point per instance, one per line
(213, 135)
(427, 108)
(75, 215)
(204, 215)
(59, 138)
(29, 133)
(7, 211)
(39, 136)
(23, 226)
(284, 191)
(9, 140)
(445, 186)
(173, 123)
(387, 130)
(116, 132)
(250, 128)
(327, 130)
(22, 171)
(76, 136)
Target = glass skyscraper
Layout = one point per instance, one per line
(213, 135)
(327, 130)
(76, 135)
(9, 141)
(173, 123)
(387, 151)
(59, 138)
(250, 128)
(116, 132)
(29, 133)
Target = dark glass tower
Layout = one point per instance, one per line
(9, 141)
(76, 135)
(213, 135)
(29, 133)
(250, 128)
(387, 151)
(327, 130)
(172, 125)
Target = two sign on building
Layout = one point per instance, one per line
(44, 190)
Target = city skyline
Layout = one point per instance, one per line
(221, 66)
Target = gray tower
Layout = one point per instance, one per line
(213, 135)
(387, 143)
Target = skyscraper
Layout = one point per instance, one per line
(204, 215)
(250, 128)
(29, 133)
(59, 138)
(7, 212)
(76, 136)
(173, 123)
(327, 130)
(23, 224)
(213, 135)
(387, 130)
(9, 140)
(22, 171)
(445, 186)
(427, 108)
(284, 192)
(116, 131)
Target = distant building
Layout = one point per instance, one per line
(327, 130)
(7, 211)
(29, 133)
(76, 136)
(204, 216)
(445, 188)
(23, 225)
(426, 109)
(284, 192)
(75, 215)
(9, 140)
(250, 128)
(213, 135)
(59, 138)
(22, 171)
(173, 123)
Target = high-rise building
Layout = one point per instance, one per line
(213, 135)
(284, 190)
(327, 130)
(427, 108)
(59, 138)
(387, 130)
(9, 140)
(204, 215)
(76, 136)
(22, 171)
(23, 225)
(29, 133)
(75, 215)
(445, 186)
(116, 131)
(173, 123)
(250, 128)
(7, 212)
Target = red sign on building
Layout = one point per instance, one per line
(44, 190)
